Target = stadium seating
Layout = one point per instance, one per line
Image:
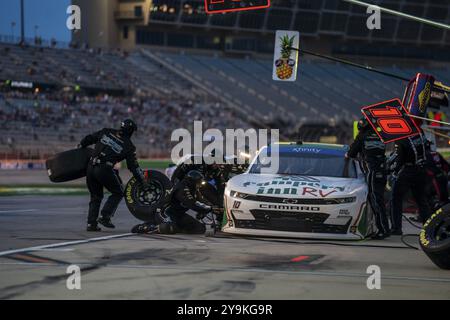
(322, 91)
(165, 90)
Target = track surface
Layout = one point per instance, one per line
(192, 267)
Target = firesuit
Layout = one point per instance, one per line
(111, 146)
(437, 169)
(410, 174)
(215, 174)
(174, 217)
(368, 144)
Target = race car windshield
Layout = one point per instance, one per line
(309, 164)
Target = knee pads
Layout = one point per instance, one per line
(166, 228)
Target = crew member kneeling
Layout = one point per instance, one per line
(111, 146)
(175, 218)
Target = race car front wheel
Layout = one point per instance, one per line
(435, 237)
(142, 203)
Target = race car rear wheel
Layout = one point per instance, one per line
(435, 237)
(143, 203)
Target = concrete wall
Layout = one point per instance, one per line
(100, 26)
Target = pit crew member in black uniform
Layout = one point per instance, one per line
(215, 174)
(410, 174)
(436, 167)
(111, 146)
(183, 168)
(372, 149)
(174, 217)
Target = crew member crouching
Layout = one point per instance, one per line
(173, 217)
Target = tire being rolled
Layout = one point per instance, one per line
(143, 204)
(435, 237)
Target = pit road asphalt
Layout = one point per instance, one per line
(40, 236)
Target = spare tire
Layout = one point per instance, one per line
(143, 203)
(435, 237)
(68, 165)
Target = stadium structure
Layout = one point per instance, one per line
(166, 63)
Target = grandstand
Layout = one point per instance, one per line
(165, 90)
(178, 65)
(56, 117)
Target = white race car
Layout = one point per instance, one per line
(316, 193)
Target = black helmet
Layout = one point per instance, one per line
(362, 123)
(195, 176)
(128, 127)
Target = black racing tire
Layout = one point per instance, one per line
(68, 165)
(142, 204)
(435, 238)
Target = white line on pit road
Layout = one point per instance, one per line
(17, 211)
(64, 244)
(56, 250)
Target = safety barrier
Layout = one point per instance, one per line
(22, 164)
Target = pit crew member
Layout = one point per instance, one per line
(409, 173)
(111, 147)
(437, 168)
(372, 149)
(174, 218)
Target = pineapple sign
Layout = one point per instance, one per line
(285, 59)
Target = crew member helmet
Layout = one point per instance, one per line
(362, 123)
(128, 127)
(195, 176)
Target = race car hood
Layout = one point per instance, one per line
(295, 186)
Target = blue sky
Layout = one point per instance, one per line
(49, 15)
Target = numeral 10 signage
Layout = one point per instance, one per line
(390, 120)
(219, 6)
